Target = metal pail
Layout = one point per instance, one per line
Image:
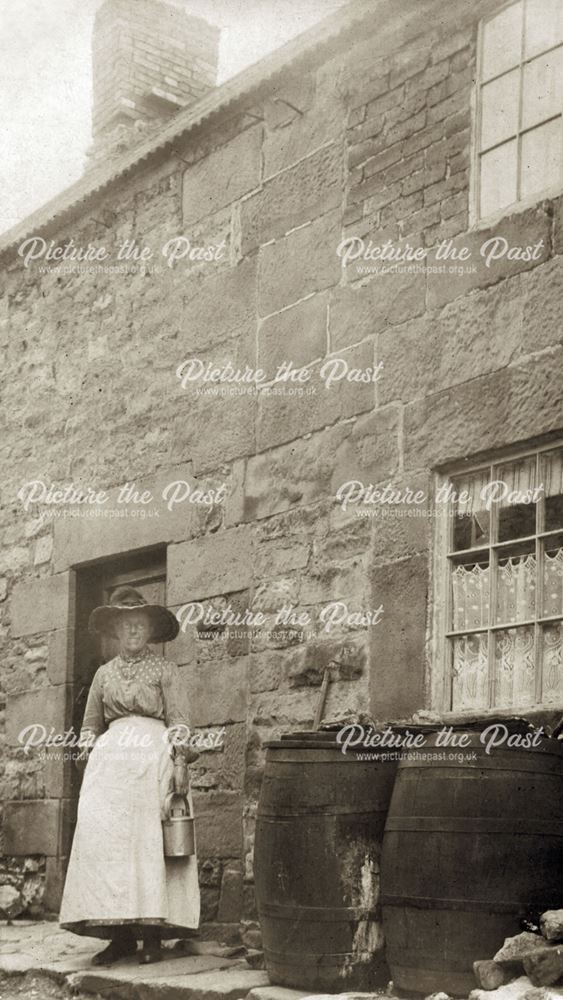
(178, 829)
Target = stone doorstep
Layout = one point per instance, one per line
(45, 949)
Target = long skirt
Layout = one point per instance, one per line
(117, 872)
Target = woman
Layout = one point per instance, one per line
(119, 885)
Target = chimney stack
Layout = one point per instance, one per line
(150, 59)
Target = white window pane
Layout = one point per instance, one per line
(544, 25)
(543, 88)
(502, 41)
(515, 668)
(499, 109)
(498, 178)
(541, 158)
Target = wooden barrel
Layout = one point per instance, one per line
(316, 864)
(470, 846)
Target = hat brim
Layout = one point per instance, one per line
(164, 624)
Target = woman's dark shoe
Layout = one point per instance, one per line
(151, 951)
(115, 950)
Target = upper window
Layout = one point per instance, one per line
(520, 104)
(504, 607)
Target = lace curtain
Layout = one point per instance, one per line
(514, 654)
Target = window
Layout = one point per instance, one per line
(520, 103)
(504, 607)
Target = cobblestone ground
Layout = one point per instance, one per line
(33, 986)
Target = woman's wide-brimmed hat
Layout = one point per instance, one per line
(164, 624)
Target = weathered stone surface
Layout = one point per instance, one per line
(533, 224)
(295, 413)
(40, 604)
(297, 335)
(361, 310)
(59, 660)
(496, 410)
(218, 818)
(551, 925)
(47, 706)
(542, 291)
(544, 967)
(135, 524)
(11, 902)
(455, 345)
(300, 194)
(216, 564)
(371, 451)
(217, 691)
(514, 948)
(32, 827)
(489, 975)
(397, 645)
(229, 296)
(305, 261)
(223, 176)
(230, 903)
(323, 121)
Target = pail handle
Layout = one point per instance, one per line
(181, 807)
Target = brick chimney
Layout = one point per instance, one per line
(150, 59)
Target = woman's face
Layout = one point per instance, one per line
(133, 631)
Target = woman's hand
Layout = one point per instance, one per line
(181, 779)
(81, 760)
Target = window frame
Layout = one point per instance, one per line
(439, 646)
(476, 220)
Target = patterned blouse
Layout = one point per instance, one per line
(142, 684)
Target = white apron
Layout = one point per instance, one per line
(117, 873)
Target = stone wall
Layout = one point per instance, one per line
(371, 140)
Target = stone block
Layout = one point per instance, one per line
(489, 975)
(542, 295)
(218, 819)
(370, 452)
(60, 656)
(266, 670)
(232, 417)
(551, 925)
(217, 692)
(228, 296)
(322, 122)
(289, 416)
(297, 195)
(514, 404)
(527, 229)
(11, 903)
(48, 707)
(41, 604)
(134, 525)
(514, 948)
(215, 564)
(32, 827)
(358, 310)
(544, 967)
(231, 900)
(296, 265)
(223, 176)
(283, 477)
(54, 883)
(467, 338)
(398, 645)
(297, 335)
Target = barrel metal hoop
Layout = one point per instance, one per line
(471, 824)
(468, 905)
(311, 811)
(302, 959)
(320, 914)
